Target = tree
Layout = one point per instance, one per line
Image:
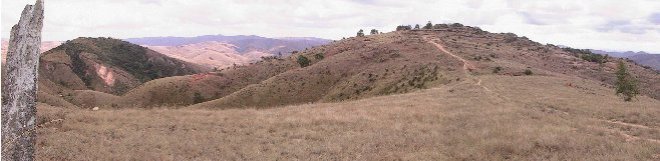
(417, 27)
(360, 33)
(373, 32)
(403, 28)
(428, 26)
(626, 85)
(19, 86)
(303, 61)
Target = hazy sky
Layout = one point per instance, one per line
(599, 24)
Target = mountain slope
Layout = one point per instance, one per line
(384, 64)
(650, 60)
(107, 65)
(642, 58)
(212, 54)
(401, 62)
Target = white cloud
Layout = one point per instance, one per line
(603, 24)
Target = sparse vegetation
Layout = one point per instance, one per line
(360, 33)
(587, 55)
(319, 56)
(428, 25)
(528, 72)
(626, 85)
(403, 28)
(458, 123)
(121, 87)
(374, 32)
(198, 98)
(303, 61)
(497, 69)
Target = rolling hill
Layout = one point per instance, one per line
(401, 62)
(506, 118)
(377, 65)
(452, 93)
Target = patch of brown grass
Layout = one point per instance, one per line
(457, 122)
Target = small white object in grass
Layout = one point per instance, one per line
(95, 109)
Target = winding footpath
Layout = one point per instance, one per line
(467, 66)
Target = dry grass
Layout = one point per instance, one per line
(521, 118)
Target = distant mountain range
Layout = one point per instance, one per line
(643, 58)
(223, 51)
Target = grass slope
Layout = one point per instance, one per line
(503, 117)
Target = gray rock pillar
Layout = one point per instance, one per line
(19, 87)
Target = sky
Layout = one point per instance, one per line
(615, 25)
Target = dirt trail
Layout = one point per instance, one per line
(467, 66)
(629, 124)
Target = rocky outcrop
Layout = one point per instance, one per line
(19, 87)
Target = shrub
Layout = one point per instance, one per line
(198, 98)
(403, 28)
(417, 27)
(528, 72)
(440, 26)
(429, 25)
(374, 32)
(591, 57)
(497, 69)
(360, 33)
(626, 85)
(303, 61)
(319, 56)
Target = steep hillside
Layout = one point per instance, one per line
(107, 65)
(224, 51)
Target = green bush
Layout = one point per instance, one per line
(528, 72)
(626, 84)
(303, 61)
